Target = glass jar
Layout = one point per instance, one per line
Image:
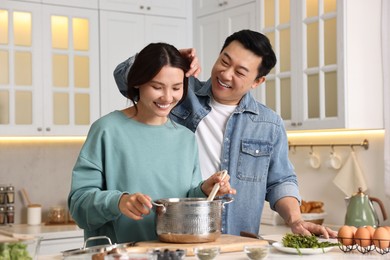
(3, 195)
(10, 194)
(57, 215)
(2, 215)
(10, 214)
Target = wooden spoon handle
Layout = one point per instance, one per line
(216, 187)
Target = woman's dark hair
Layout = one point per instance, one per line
(257, 43)
(148, 63)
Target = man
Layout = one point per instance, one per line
(239, 134)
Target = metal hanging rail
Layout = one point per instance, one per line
(365, 144)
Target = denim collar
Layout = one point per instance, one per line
(247, 103)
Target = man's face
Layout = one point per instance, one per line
(234, 74)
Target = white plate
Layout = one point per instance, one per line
(304, 251)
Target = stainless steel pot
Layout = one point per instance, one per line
(189, 220)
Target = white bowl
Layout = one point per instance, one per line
(317, 218)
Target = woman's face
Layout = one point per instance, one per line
(158, 96)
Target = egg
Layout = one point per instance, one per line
(345, 235)
(381, 238)
(362, 237)
(388, 228)
(372, 230)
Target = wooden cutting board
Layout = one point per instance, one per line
(6, 239)
(227, 243)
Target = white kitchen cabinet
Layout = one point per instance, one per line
(73, 3)
(212, 30)
(123, 35)
(173, 8)
(205, 7)
(55, 246)
(49, 84)
(321, 80)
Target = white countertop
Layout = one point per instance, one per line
(267, 231)
(44, 231)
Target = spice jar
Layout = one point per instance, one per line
(2, 215)
(57, 215)
(2, 195)
(10, 194)
(10, 214)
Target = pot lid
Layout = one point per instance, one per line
(96, 249)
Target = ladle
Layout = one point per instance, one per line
(216, 187)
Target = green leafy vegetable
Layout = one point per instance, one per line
(300, 241)
(14, 251)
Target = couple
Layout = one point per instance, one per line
(125, 156)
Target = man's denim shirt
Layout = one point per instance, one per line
(254, 151)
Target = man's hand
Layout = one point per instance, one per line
(288, 208)
(307, 228)
(190, 54)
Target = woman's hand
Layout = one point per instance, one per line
(190, 54)
(135, 205)
(224, 184)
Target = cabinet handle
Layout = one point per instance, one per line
(141, 7)
(148, 8)
(225, 2)
(299, 123)
(48, 129)
(294, 124)
(39, 129)
(220, 4)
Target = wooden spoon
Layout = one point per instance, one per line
(216, 187)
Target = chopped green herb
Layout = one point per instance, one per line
(300, 241)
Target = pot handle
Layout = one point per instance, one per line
(96, 238)
(162, 211)
(228, 200)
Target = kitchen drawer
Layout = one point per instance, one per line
(56, 246)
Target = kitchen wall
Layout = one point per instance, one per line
(44, 168)
(317, 184)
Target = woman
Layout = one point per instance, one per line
(136, 155)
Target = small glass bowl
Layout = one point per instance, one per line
(206, 253)
(256, 252)
(167, 253)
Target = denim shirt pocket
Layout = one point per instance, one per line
(254, 159)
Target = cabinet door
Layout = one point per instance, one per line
(166, 29)
(121, 36)
(305, 85)
(73, 3)
(174, 8)
(71, 79)
(206, 7)
(212, 30)
(20, 73)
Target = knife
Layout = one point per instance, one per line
(253, 235)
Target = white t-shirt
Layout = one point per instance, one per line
(209, 135)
